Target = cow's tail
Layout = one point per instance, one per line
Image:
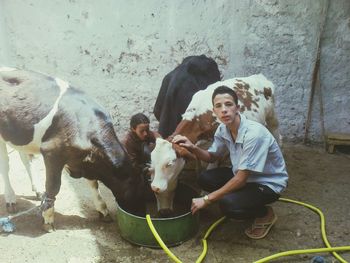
(272, 121)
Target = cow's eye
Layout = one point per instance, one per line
(169, 164)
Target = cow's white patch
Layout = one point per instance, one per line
(48, 216)
(10, 196)
(3, 69)
(99, 203)
(41, 127)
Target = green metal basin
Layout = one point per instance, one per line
(172, 230)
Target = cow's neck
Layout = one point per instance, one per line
(190, 129)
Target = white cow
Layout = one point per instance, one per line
(256, 100)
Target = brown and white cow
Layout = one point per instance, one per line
(256, 100)
(42, 114)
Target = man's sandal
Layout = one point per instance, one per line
(265, 227)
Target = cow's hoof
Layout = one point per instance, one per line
(39, 196)
(106, 219)
(11, 208)
(48, 228)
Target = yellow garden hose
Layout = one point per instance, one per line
(329, 248)
(323, 232)
(204, 240)
(160, 241)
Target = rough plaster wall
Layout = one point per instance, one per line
(280, 43)
(119, 51)
(335, 69)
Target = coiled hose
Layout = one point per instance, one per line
(328, 247)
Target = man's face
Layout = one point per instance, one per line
(225, 108)
(142, 131)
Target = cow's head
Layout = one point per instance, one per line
(106, 160)
(166, 166)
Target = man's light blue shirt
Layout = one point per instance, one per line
(256, 150)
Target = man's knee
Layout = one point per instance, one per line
(232, 209)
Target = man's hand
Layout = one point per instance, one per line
(197, 204)
(183, 141)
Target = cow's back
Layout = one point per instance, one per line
(255, 97)
(26, 99)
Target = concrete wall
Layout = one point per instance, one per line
(119, 51)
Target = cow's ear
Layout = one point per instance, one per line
(183, 152)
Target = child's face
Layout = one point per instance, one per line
(141, 131)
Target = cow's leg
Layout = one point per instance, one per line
(33, 179)
(54, 165)
(10, 196)
(100, 205)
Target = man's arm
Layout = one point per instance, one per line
(200, 153)
(237, 182)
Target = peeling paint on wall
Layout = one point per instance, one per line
(119, 51)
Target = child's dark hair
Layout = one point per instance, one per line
(137, 119)
(224, 90)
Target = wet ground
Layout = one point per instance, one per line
(316, 177)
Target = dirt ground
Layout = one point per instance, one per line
(316, 177)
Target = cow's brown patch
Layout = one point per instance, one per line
(267, 93)
(244, 95)
(208, 125)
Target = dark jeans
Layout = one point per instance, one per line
(245, 203)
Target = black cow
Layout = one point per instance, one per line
(42, 114)
(193, 74)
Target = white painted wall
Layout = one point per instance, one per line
(119, 51)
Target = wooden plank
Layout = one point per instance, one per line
(333, 139)
(335, 142)
(338, 136)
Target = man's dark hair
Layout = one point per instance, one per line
(137, 119)
(224, 90)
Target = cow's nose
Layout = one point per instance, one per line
(155, 189)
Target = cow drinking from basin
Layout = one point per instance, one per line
(256, 100)
(42, 114)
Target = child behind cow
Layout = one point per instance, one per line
(139, 142)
